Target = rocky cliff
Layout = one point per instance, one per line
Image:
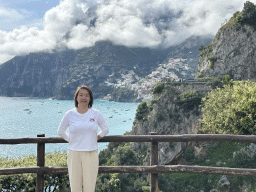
(37, 74)
(173, 111)
(233, 49)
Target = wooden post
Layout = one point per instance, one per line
(154, 161)
(41, 163)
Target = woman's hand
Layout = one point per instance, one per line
(99, 137)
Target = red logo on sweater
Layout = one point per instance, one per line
(92, 120)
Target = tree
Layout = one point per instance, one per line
(201, 48)
(248, 15)
(141, 111)
(231, 109)
(158, 88)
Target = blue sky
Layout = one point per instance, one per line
(43, 25)
(17, 13)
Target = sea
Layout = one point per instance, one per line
(22, 117)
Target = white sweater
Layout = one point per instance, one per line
(83, 129)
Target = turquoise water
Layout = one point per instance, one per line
(26, 117)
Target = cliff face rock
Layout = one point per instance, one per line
(37, 74)
(174, 111)
(232, 51)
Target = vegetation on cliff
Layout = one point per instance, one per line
(246, 17)
(231, 109)
(123, 94)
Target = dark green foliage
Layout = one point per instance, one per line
(227, 78)
(201, 48)
(158, 88)
(244, 160)
(171, 145)
(207, 50)
(217, 82)
(117, 182)
(151, 103)
(189, 100)
(141, 111)
(105, 154)
(212, 61)
(175, 116)
(200, 74)
(123, 94)
(124, 155)
(120, 154)
(189, 154)
(27, 182)
(211, 66)
(160, 116)
(248, 15)
(177, 182)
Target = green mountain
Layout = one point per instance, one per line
(58, 74)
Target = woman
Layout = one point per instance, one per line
(83, 122)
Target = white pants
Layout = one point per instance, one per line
(83, 170)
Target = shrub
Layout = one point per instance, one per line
(160, 116)
(231, 109)
(27, 182)
(141, 111)
(211, 66)
(212, 59)
(189, 100)
(151, 103)
(201, 48)
(248, 14)
(158, 88)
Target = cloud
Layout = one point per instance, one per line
(25, 40)
(76, 24)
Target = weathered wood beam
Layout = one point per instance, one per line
(142, 138)
(178, 168)
(138, 169)
(154, 161)
(41, 163)
(179, 138)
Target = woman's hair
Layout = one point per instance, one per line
(90, 93)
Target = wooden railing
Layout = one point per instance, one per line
(154, 169)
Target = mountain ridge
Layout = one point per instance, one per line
(58, 74)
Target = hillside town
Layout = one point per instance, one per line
(173, 70)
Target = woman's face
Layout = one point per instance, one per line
(83, 97)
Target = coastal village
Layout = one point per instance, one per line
(173, 70)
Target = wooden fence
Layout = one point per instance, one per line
(154, 169)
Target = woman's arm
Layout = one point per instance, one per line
(103, 126)
(62, 129)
